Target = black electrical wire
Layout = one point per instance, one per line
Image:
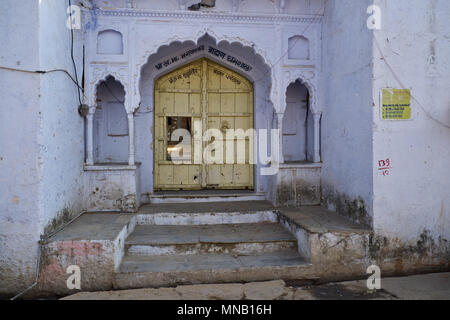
(110, 92)
(73, 78)
(43, 72)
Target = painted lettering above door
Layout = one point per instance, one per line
(211, 51)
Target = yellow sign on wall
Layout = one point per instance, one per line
(396, 104)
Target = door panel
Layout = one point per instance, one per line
(220, 99)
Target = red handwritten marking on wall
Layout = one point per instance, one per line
(384, 166)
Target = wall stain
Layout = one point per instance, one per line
(61, 218)
(354, 209)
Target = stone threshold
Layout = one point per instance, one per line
(110, 167)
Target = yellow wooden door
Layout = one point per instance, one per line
(200, 96)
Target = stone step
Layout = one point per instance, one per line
(167, 270)
(202, 196)
(245, 238)
(206, 213)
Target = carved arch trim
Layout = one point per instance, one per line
(102, 74)
(309, 79)
(143, 60)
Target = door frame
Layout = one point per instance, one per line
(203, 112)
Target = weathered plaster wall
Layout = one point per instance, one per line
(19, 173)
(112, 188)
(412, 203)
(347, 104)
(41, 150)
(299, 184)
(61, 135)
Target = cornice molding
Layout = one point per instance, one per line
(226, 17)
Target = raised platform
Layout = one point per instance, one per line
(170, 244)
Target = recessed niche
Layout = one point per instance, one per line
(297, 124)
(298, 48)
(110, 123)
(109, 42)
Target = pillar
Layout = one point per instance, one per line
(131, 139)
(316, 156)
(90, 137)
(280, 136)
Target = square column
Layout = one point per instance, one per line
(90, 137)
(316, 157)
(131, 161)
(280, 136)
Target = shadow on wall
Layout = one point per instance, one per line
(110, 123)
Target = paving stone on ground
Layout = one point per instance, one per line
(134, 294)
(230, 291)
(270, 290)
(302, 294)
(419, 287)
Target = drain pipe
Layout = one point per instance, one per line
(43, 240)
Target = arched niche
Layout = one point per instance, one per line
(299, 48)
(109, 42)
(298, 124)
(110, 138)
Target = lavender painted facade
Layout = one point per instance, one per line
(317, 71)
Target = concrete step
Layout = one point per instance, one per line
(166, 270)
(184, 196)
(244, 238)
(330, 247)
(206, 213)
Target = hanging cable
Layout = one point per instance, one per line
(43, 72)
(110, 92)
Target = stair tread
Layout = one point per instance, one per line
(217, 233)
(174, 263)
(208, 207)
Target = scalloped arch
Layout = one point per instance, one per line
(102, 78)
(144, 59)
(308, 83)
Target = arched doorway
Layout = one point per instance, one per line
(196, 106)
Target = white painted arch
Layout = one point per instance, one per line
(195, 39)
